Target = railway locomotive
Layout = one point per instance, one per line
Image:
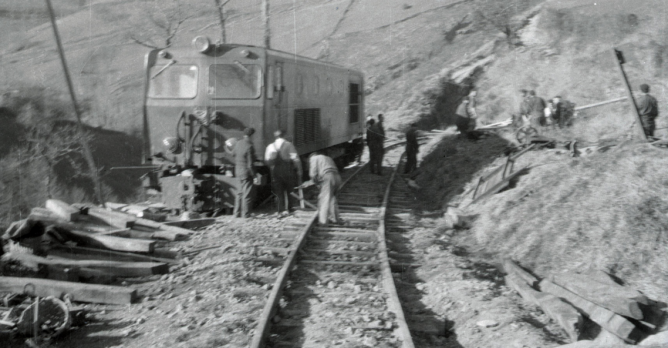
(199, 99)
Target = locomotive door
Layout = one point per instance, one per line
(280, 99)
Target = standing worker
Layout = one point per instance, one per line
(536, 110)
(375, 139)
(372, 144)
(648, 110)
(463, 117)
(411, 149)
(323, 172)
(286, 169)
(244, 157)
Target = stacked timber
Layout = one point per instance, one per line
(569, 297)
(81, 243)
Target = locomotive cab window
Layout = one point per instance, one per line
(173, 82)
(235, 81)
(354, 109)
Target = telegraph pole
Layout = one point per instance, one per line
(619, 58)
(88, 155)
(265, 19)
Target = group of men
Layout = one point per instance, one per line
(541, 114)
(286, 173)
(375, 136)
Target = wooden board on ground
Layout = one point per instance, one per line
(112, 218)
(109, 242)
(511, 267)
(49, 218)
(608, 320)
(82, 253)
(562, 313)
(191, 224)
(147, 235)
(120, 269)
(79, 292)
(63, 210)
(619, 299)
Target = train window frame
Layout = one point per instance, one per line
(354, 102)
(258, 88)
(166, 71)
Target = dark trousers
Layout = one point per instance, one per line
(376, 158)
(244, 200)
(328, 207)
(648, 125)
(411, 161)
(281, 187)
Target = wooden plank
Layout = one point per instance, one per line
(49, 218)
(120, 269)
(63, 210)
(79, 292)
(511, 267)
(82, 253)
(191, 224)
(164, 235)
(615, 324)
(112, 218)
(109, 242)
(563, 314)
(615, 298)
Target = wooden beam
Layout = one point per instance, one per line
(616, 298)
(608, 320)
(563, 314)
(63, 210)
(165, 235)
(82, 253)
(511, 267)
(120, 269)
(190, 224)
(47, 217)
(116, 219)
(79, 292)
(109, 242)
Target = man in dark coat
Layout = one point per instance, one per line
(536, 110)
(244, 157)
(411, 149)
(372, 140)
(557, 112)
(648, 109)
(286, 169)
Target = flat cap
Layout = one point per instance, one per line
(249, 131)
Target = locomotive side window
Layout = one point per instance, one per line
(354, 114)
(235, 81)
(174, 82)
(300, 84)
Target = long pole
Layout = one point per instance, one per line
(88, 155)
(265, 19)
(619, 58)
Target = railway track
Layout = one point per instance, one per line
(335, 286)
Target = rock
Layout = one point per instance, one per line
(349, 331)
(350, 300)
(487, 323)
(370, 341)
(331, 285)
(660, 338)
(357, 289)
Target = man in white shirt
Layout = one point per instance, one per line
(286, 169)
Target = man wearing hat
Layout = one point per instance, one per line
(648, 110)
(286, 169)
(244, 157)
(323, 172)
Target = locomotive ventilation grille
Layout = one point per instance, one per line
(307, 126)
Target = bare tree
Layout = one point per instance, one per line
(220, 5)
(501, 15)
(165, 18)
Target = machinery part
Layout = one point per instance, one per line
(52, 319)
(524, 134)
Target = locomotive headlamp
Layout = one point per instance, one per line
(201, 44)
(172, 144)
(164, 54)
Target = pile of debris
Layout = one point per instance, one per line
(621, 314)
(73, 252)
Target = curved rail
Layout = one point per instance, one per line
(265, 323)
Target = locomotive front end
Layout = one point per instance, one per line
(198, 101)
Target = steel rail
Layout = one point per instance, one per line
(270, 308)
(388, 282)
(264, 324)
